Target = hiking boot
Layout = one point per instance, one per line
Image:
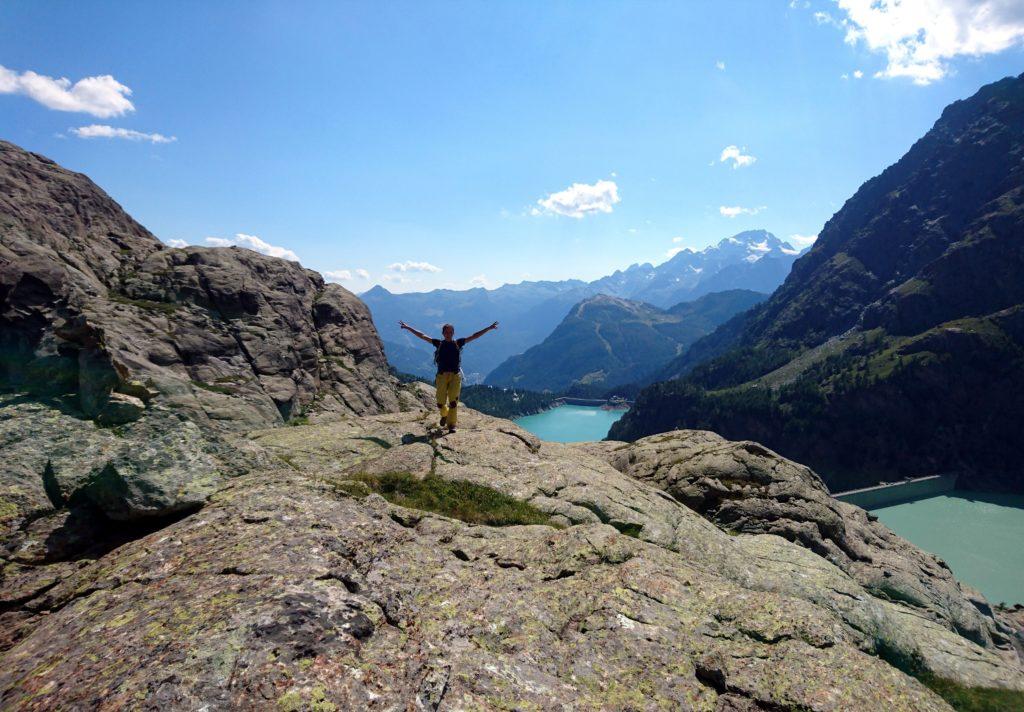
(444, 421)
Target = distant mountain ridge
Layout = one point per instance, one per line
(607, 341)
(896, 345)
(528, 311)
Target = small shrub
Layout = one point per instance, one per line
(458, 499)
(215, 388)
(974, 699)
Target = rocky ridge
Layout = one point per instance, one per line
(287, 588)
(138, 347)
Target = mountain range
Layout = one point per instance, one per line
(607, 341)
(896, 345)
(529, 311)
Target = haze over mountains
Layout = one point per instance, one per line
(896, 345)
(606, 341)
(529, 311)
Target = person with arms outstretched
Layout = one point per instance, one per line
(448, 357)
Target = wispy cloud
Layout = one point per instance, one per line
(731, 211)
(479, 281)
(253, 243)
(101, 96)
(736, 155)
(101, 131)
(720, 65)
(346, 275)
(919, 38)
(410, 266)
(580, 200)
(177, 243)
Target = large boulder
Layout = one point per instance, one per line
(93, 305)
(745, 487)
(151, 360)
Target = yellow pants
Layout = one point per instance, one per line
(449, 385)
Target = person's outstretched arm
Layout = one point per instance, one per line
(416, 332)
(480, 333)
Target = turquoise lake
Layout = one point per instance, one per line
(980, 536)
(570, 423)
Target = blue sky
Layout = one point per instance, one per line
(403, 138)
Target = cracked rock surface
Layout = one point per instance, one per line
(284, 594)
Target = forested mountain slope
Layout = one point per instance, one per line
(606, 341)
(895, 346)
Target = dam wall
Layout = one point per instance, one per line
(897, 492)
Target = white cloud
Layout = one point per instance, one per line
(677, 239)
(479, 281)
(101, 131)
(672, 252)
(731, 211)
(844, 77)
(410, 266)
(253, 243)
(738, 158)
(346, 275)
(581, 199)
(395, 279)
(802, 241)
(101, 96)
(920, 37)
(720, 65)
(177, 243)
(857, 74)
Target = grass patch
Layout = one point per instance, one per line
(974, 699)
(215, 388)
(376, 441)
(147, 304)
(299, 420)
(959, 697)
(458, 499)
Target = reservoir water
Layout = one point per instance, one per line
(570, 423)
(980, 536)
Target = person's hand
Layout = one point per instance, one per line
(493, 326)
(403, 325)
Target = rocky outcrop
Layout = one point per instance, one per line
(744, 487)
(149, 357)
(94, 305)
(286, 590)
